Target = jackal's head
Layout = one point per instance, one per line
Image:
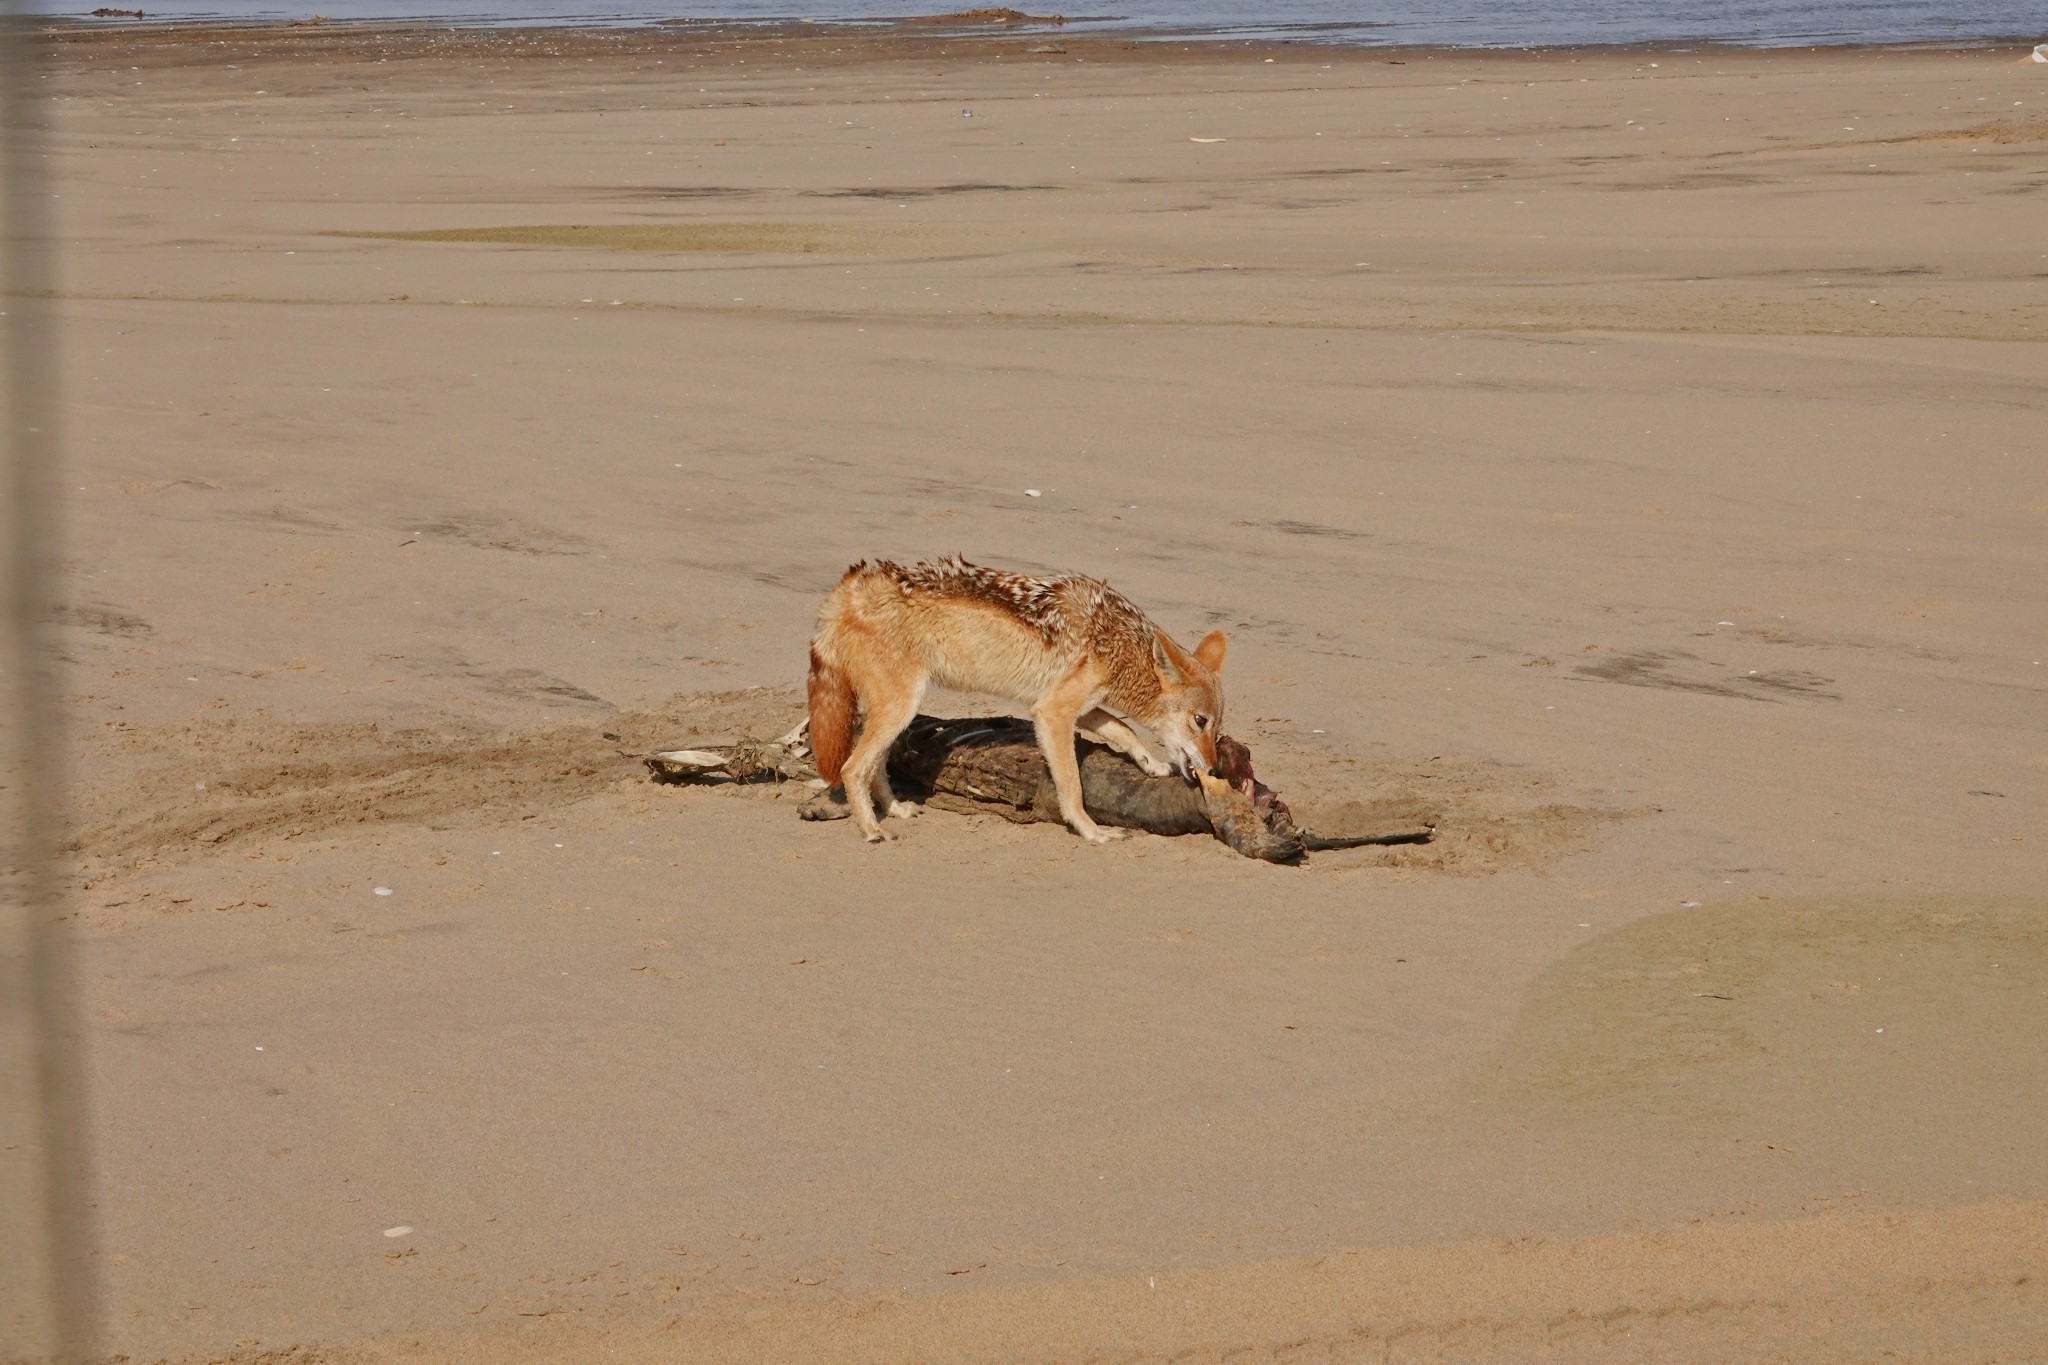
(1190, 712)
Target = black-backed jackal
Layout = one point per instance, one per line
(1072, 648)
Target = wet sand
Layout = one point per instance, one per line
(1629, 459)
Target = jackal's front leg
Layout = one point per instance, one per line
(1100, 726)
(1053, 720)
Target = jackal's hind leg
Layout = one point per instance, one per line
(866, 776)
(1100, 726)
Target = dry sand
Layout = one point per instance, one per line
(1634, 459)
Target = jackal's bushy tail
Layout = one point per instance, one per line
(831, 701)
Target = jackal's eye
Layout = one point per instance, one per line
(1201, 722)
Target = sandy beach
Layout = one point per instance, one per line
(1630, 460)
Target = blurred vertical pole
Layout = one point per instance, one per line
(46, 1296)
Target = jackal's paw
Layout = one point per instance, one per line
(905, 810)
(879, 836)
(1155, 766)
(1097, 834)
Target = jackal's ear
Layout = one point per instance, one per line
(1209, 653)
(1167, 657)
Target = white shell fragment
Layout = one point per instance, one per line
(401, 1230)
(786, 758)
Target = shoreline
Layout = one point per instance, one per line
(913, 33)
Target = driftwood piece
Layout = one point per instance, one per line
(994, 765)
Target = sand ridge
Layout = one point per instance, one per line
(1711, 1288)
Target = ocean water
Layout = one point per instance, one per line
(1456, 23)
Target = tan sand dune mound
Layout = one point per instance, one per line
(177, 790)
